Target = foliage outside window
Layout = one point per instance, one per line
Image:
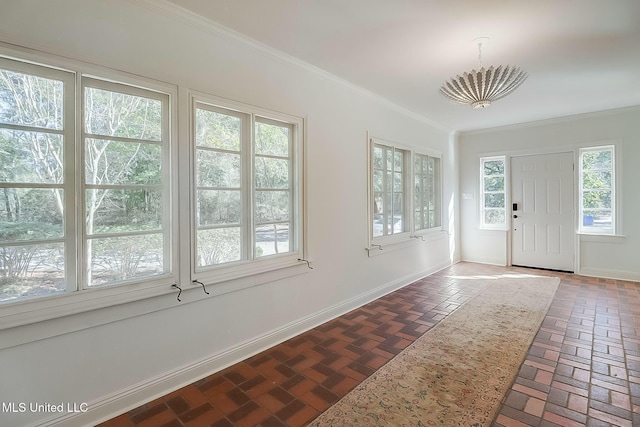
(119, 183)
(389, 170)
(218, 186)
(597, 190)
(126, 198)
(274, 197)
(397, 206)
(493, 213)
(34, 127)
(426, 196)
(245, 197)
(88, 178)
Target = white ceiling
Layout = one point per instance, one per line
(581, 55)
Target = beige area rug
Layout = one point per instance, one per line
(457, 373)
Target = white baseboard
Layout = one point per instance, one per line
(480, 260)
(124, 400)
(584, 271)
(610, 274)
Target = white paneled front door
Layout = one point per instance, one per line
(542, 211)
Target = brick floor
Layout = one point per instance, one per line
(583, 367)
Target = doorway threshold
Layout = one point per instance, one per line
(542, 268)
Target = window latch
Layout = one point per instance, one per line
(179, 291)
(203, 288)
(307, 261)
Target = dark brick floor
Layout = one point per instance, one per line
(582, 369)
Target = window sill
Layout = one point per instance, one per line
(382, 246)
(493, 229)
(24, 312)
(21, 322)
(246, 275)
(602, 238)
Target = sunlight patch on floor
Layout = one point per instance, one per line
(496, 277)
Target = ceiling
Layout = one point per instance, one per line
(581, 55)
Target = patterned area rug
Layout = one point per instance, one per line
(457, 373)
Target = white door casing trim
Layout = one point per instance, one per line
(544, 234)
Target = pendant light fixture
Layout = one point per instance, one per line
(479, 88)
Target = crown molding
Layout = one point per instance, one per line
(554, 120)
(190, 18)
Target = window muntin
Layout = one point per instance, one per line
(31, 100)
(597, 190)
(125, 187)
(405, 192)
(427, 197)
(493, 210)
(388, 169)
(274, 196)
(36, 132)
(245, 197)
(90, 155)
(64, 226)
(220, 207)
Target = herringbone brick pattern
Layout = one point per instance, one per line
(582, 369)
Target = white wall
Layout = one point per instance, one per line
(598, 256)
(115, 365)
